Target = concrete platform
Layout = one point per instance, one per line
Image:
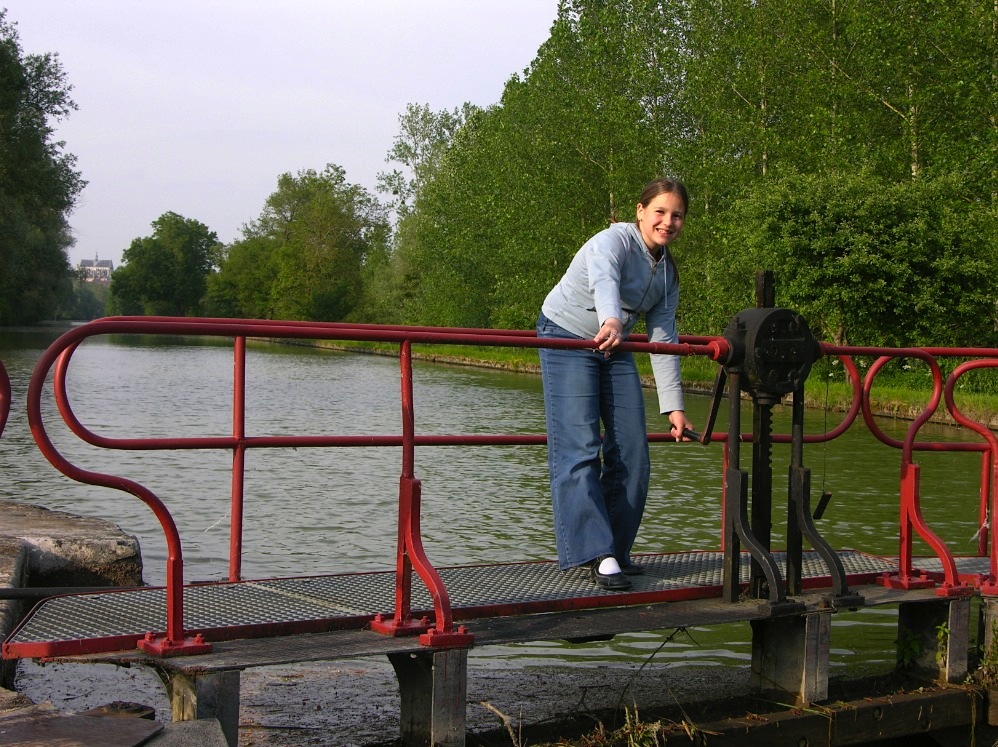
(42, 548)
(55, 548)
(24, 724)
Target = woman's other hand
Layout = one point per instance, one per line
(680, 423)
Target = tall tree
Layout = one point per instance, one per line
(418, 149)
(401, 284)
(862, 266)
(242, 286)
(38, 182)
(313, 237)
(523, 184)
(740, 99)
(165, 274)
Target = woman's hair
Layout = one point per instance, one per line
(664, 186)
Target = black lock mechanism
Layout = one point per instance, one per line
(773, 348)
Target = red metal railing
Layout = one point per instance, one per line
(4, 397)
(911, 519)
(410, 555)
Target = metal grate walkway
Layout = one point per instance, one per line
(114, 621)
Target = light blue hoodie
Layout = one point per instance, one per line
(613, 275)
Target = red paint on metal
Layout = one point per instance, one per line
(989, 463)
(4, 397)
(420, 622)
(436, 627)
(164, 646)
(238, 458)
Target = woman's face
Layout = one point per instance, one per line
(662, 220)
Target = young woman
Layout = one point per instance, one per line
(618, 275)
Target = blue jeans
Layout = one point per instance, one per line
(597, 504)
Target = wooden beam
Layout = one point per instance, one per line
(842, 724)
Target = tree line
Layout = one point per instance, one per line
(849, 146)
(39, 184)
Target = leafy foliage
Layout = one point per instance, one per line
(303, 257)
(38, 183)
(850, 147)
(165, 274)
(873, 262)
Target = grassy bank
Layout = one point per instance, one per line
(902, 392)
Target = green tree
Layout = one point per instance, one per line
(38, 183)
(165, 274)
(873, 262)
(419, 149)
(242, 287)
(521, 185)
(773, 89)
(89, 301)
(303, 257)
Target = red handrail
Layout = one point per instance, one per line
(410, 551)
(410, 554)
(911, 519)
(4, 397)
(989, 467)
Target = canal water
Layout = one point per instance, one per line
(317, 511)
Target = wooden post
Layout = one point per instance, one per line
(988, 632)
(934, 637)
(790, 655)
(434, 692)
(207, 695)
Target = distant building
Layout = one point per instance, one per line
(95, 270)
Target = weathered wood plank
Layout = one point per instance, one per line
(854, 723)
(905, 714)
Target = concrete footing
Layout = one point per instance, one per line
(790, 661)
(39, 547)
(211, 695)
(434, 688)
(934, 637)
(790, 655)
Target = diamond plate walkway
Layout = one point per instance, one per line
(254, 624)
(115, 621)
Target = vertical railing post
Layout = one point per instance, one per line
(984, 508)
(989, 473)
(408, 510)
(238, 459)
(735, 492)
(4, 397)
(410, 555)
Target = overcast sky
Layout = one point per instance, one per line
(197, 106)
